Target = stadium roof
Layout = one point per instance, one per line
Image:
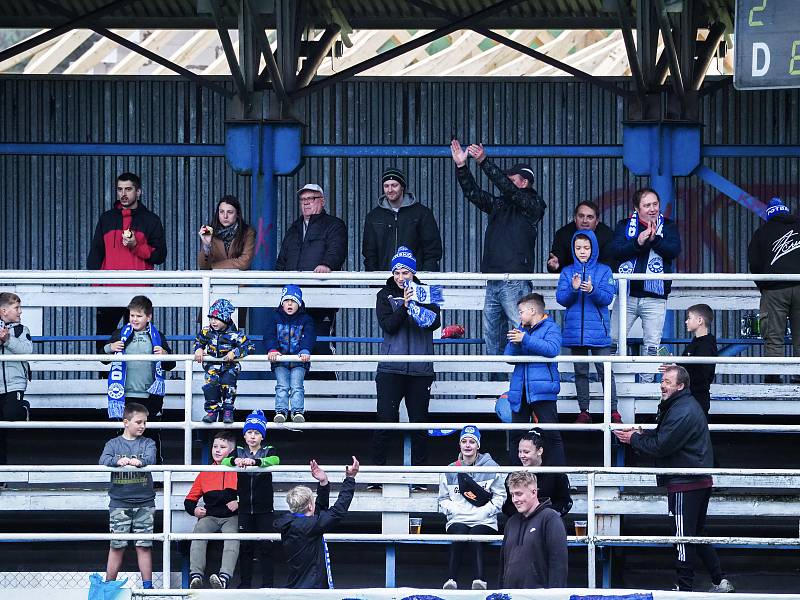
(358, 14)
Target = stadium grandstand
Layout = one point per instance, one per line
(284, 110)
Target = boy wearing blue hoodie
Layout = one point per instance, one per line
(585, 289)
(290, 330)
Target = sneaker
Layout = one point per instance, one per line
(298, 418)
(227, 416)
(478, 584)
(723, 587)
(218, 582)
(584, 417)
(196, 582)
(211, 417)
(616, 417)
(450, 584)
(279, 417)
(374, 487)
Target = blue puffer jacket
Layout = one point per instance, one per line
(539, 380)
(290, 334)
(587, 322)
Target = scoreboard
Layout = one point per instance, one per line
(767, 44)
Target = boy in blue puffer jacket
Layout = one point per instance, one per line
(535, 386)
(290, 330)
(585, 289)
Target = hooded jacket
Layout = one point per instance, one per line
(774, 249)
(255, 487)
(107, 252)
(562, 246)
(290, 334)
(587, 321)
(668, 246)
(302, 537)
(401, 333)
(680, 440)
(324, 243)
(413, 226)
(509, 242)
(14, 375)
(458, 510)
(537, 381)
(534, 553)
(216, 489)
(218, 343)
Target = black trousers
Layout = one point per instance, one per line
(392, 388)
(107, 320)
(688, 510)
(476, 550)
(546, 412)
(256, 523)
(154, 405)
(704, 399)
(13, 407)
(324, 326)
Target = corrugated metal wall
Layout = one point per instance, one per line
(50, 204)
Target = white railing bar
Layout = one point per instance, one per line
(79, 537)
(606, 415)
(187, 426)
(591, 550)
(671, 539)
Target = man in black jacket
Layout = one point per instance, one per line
(317, 242)
(775, 249)
(534, 553)
(586, 217)
(400, 220)
(510, 238)
(302, 530)
(681, 440)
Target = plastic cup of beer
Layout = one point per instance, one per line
(415, 525)
(580, 528)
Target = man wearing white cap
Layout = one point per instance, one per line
(316, 241)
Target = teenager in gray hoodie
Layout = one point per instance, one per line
(15, 338)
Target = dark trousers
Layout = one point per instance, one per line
(392, 388)
(154, 404)
(545, 411)
(107, 320)
(703, 399)
(775, 307)
(13, 407)
(324, 326)
(256, 523)
(688, 509)
(476, 550)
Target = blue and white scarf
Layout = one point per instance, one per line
(424, 317)
(655, 263)
(426, 294)
(116, 376)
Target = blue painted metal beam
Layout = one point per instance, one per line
(731, 190)
(44, 149)
(746, 151)
(443, 151)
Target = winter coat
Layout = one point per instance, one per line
(302, 537)
(14, 375)
(458, 510)
(325, 243)
(509, 242)
(587, 321)
(680, 440)
(107, 252)
(536, 381)
(219, 258)
(216, 489)
(290, 334)
(218, 343)
(534, 553)
(552, 486)
(254, 486)
(774, 249)
(562, 246)
(667, 246)
(401, 333)
(413, 226)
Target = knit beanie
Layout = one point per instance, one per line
(222, 309)
(292, 292)
(394, 174)
(470, 431)
(404, 258)
(256, 420)
(776, 207)
(522, 169)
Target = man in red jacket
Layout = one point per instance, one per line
(127, 237)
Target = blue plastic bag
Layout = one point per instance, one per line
(100, 589)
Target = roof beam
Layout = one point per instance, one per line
(49, 59)
(25, 54)
(89, 59)
(230, 55)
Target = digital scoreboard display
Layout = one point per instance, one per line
(767, 44)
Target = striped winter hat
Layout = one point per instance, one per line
(394, 174)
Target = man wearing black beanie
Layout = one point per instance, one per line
(400, 220)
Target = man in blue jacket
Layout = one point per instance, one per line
(535, 385)
(647, 242)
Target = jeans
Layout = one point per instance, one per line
(652, 312)
(230, 548)
(582, 375)
(289, 389)
(500, 313)
(392, 388)
(546, 411)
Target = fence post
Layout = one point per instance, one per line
(607, 413)
(591, 531)
(167, 543)
(622, 318)
(187, 412)
(206, 299)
